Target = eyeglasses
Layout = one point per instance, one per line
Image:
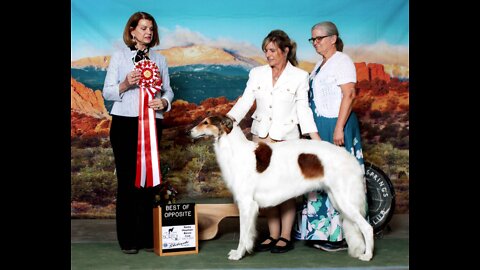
(317, 39)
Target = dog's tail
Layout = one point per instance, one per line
(358, 232)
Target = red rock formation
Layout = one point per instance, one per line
(377, 71)
(84, 100)
(393, 96)
(88, 115)
(362, 71)
(86, 125)
(184, 113)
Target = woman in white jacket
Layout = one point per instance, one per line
(281, 93)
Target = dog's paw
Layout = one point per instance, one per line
(366, 257)
(234, 255)
(355, 252)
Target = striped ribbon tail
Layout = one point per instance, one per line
(148, 173)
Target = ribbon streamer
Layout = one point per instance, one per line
(148, 157)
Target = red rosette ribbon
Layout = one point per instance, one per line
(148, 156)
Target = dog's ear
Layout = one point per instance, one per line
(227, 122)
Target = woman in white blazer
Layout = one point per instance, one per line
(281, 93)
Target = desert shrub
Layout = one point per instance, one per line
(96, 157)
(386, 115)
(379, 87)
(405, 131)
(363, 85)
(104, 159)
(81, 158)
(392, 104)
(394, 84)
(205, 153)
(76, 165)
(391, 160)
(94, 187)
(90, 141)
(389, 131)
(106, 143)
(368, 130)
(176, 155)
(403, 142)
(75, 142)
(193, 168)
(199, 151)
(362, 106)
(191, 180)
(405, 117)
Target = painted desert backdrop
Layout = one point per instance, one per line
(210, 48)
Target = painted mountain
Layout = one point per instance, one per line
(199, 72)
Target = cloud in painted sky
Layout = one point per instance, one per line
(182, 36)
(380, 52)
(86, 49)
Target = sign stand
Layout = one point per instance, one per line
(175, 229)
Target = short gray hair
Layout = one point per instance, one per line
(330, 29)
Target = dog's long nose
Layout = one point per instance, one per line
(188, 134)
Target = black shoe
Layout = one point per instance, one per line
(331, 246)
(130, 251)
(279, 249)
(265, 247)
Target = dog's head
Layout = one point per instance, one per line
(215, 126)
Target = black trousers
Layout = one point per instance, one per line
(134, 206)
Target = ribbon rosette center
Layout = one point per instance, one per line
(147, 73)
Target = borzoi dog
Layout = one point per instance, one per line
(265, 175)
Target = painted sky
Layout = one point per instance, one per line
(97, 25)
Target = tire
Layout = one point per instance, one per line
(380, 197)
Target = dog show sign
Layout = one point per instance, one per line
(175, 229)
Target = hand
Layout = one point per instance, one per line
(338, 137)
(132, 78)
(159, 76)
(315, 136)
(157, 104)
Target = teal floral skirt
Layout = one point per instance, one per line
(316, 218)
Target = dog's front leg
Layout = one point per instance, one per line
(248, 216)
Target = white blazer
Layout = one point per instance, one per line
(280, 108)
